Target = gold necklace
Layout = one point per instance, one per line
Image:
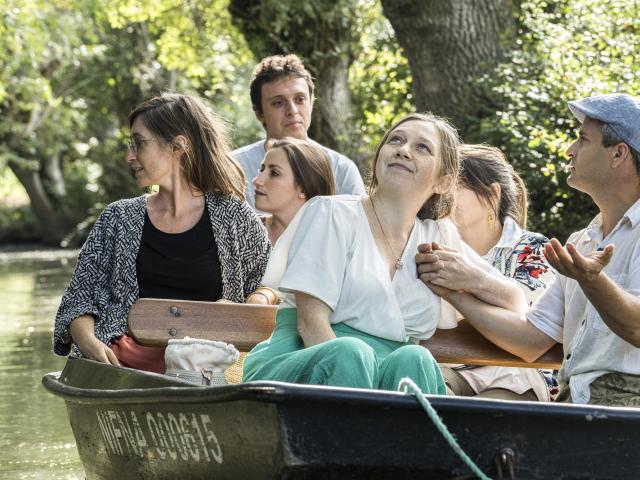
(398, 263)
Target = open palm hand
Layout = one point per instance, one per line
(571, 263)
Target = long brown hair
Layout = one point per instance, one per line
(484, 165)
(311, 166)
(438, 205)
(206, 158)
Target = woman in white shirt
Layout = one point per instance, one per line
(491, 213)
(360, 308)
(293, 171)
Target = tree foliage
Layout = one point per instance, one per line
(567, 50)
(73, 69)
(380, 80)
(76, 69)
(45, 44)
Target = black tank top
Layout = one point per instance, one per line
(180, 266)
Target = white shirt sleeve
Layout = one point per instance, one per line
(634, 272)
(547, 313)
(319, 251)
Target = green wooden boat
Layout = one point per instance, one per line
(135, 425)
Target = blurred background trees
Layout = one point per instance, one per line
(502, 70)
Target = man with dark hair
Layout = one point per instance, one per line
(282, 94)
(592, 306)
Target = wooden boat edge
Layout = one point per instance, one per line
(178, 391)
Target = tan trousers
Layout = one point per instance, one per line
(457, 385)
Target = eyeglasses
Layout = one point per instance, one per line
(135, 144)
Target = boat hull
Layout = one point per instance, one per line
(130, 424)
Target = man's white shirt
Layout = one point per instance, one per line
(563, 312)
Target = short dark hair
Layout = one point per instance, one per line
(206, 158)
(483, 165)
(438, 205)
(611, 138)
(273, 68)
(311, 166)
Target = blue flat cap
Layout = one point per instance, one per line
(619, 110)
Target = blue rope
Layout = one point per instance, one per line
(406, 384)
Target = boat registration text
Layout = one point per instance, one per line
(169, 436)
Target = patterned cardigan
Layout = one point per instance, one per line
(105, 283)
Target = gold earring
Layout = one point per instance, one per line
(490, 219)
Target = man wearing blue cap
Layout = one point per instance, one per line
(593, 305)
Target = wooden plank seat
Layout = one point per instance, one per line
(465, 345)
(155, 321)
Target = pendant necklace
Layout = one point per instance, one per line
(398, 263)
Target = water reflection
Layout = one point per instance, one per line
(35, 436)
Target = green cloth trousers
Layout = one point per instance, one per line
(353, 359)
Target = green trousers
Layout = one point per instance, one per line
(354, 359)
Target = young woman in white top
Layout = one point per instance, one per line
(360, 307)
(491, 215)
(293, 171)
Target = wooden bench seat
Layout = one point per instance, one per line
(154, 322)
(465, 345)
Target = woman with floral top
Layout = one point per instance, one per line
(491, 216)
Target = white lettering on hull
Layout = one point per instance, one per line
(187, 437)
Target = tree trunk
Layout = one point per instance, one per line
(54, 224)
(53, 173)
(323, 34)
(332, 124)
(449, 43)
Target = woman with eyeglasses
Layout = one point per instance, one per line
(194, 239)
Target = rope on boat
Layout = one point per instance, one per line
(408, 384)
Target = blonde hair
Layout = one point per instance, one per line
(438, 205)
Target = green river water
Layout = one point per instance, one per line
(35, 437)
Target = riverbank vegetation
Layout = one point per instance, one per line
(502, 70)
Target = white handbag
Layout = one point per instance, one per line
(198, 361)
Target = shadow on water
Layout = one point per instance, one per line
(35, 436)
